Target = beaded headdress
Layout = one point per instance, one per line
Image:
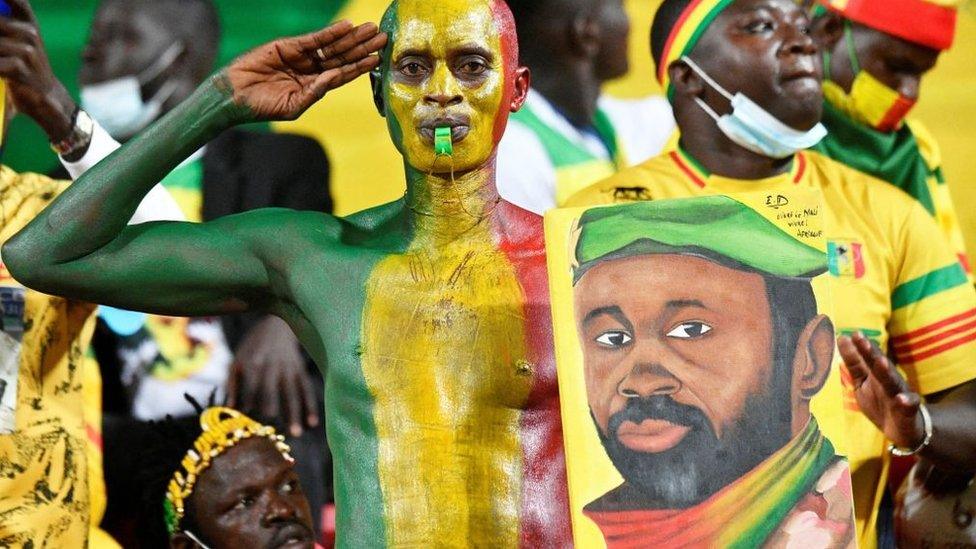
(223, 428)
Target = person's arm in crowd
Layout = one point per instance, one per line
(37, 93)
(885, 396)
(933, 343)
(80, 246)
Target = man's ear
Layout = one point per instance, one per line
(376, 81)
(520, 88)
(827, 30)
(813, 357)
(685, 80)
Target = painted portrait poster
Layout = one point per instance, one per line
(693, 337)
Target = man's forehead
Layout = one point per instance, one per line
(663, 271)
(252, 461)
(443, 24)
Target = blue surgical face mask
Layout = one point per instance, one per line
(753, 127)
(118, 105)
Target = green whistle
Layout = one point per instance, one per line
(443, 145)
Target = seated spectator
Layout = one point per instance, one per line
(51, 490)
(221, 479)
(569, 135)
(142, 59)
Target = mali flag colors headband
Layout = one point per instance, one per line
(931, 23)
(685, 34)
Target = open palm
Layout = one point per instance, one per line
(281, 79)
(882, 393)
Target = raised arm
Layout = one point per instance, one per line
(80, 246)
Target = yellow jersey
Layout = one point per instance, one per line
(894, 278)
(51, 491)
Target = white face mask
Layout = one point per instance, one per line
(117, 104)
(753, 127)
(195, 539)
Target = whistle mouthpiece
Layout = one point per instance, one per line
(443, 143)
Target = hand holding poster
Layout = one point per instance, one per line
(691, 338)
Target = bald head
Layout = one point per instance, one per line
(449, 64)
(504, 22)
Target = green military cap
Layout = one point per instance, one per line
(716, 228)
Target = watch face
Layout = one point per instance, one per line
(79, 138)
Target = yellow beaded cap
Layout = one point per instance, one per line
(223, 428)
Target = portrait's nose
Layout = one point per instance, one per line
(444, 90)
(647, 380)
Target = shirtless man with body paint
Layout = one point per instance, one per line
(431, 313)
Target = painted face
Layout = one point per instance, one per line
(895, 62)
(450, 64)
(250, 497)
(679, 375)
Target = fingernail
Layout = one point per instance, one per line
(296, 431)
(313, 421)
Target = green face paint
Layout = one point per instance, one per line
(443, 144)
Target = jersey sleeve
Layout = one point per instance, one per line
(945, 210)
(933, 319)
(526, 176)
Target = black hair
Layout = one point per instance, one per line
(665, 19)
(792, 305)
(163, 448)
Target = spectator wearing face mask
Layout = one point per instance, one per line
(876, 55)
(51, 488)
(143, 58)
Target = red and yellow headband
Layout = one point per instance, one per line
(685, 34)
(931, 23)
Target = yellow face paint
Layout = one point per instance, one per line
(444, 357)
(446, 69)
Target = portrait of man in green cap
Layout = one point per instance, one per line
(702, 347)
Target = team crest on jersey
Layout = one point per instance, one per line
(845, 258)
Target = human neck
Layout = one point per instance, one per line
(701, 138)
(572, 89)
(444, 209)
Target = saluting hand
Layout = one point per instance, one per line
(882, 393)
(281, 79)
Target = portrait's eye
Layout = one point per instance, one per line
(614, 339)
(689, 330)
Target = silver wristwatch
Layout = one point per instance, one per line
(78, 138)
